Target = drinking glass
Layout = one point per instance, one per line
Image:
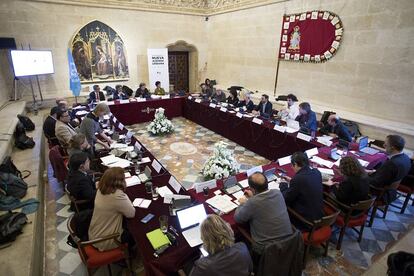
(154, 193)
(163, 223)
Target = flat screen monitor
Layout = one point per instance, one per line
(31, 63)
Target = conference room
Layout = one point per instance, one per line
(206, 137)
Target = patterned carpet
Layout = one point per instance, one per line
(185, 161)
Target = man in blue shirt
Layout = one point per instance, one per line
(335, 128)
(307, 118)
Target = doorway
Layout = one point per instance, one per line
(178, 70)
(191, 76)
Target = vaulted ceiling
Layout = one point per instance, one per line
(193, 7)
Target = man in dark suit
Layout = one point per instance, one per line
(206, 92)
(265, 108)
(96, 95)
(394, 169)
(335, 128)
(304, 194)
(307, 118)
(49, 126)
(80, 185)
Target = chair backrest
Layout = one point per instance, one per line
(323, 222)
(58, 164)
(363, 205)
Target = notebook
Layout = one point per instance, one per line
(157, 238)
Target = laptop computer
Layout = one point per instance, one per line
(293, 124)
(270, 174)
(363, 146)
(334, 154)
(231, 185)
(190, 219)
(146, 175)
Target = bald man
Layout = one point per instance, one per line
(264, 210)
(335, 128)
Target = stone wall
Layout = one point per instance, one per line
(52, 26)
(372, 74)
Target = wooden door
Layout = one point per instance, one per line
(178, 70)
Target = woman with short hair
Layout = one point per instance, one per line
(225, 257)
(111, 206)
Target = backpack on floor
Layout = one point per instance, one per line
(12, 185)
(11, 225)
(8, 167)
(352, 127)
(400, 264)
(22, 141)
(27, 123)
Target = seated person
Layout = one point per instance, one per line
(232, 98)
(142, 91)
(307, 118)
(225, 257)
(265, 108)
(208, 84)
(304, 194)
(335, 128)
(158, 90)
(90, 125)
(264, 210)
(49, 126)
(219, 96)
(80, 185)
(79, 144)
(292, 109)
(63, 130)
(355, 185)
(394, 169)
(247, 103)
(119, 94)
(206, 91)
(111, 206)
(96, 95)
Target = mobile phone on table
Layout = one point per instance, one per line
(147, 218)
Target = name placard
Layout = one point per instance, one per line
(137, 145)
(279, 128)
(189, 97)
(312, 152)
(156, 165)
(211, 184)
(304, 137)
(175, 184)
(212, 105)
(198, 101)
(121, 126)
(223, 109)
(238, 114)
(257, 121)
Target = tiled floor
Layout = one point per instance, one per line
(184, 152)
(353, 259)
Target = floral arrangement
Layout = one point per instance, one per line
(221, 164)
(160, 125)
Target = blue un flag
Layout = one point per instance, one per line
(74, 81)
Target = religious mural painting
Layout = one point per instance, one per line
(99, 54)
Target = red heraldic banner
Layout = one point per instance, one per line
(310, 36)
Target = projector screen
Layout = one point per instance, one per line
(30, 63)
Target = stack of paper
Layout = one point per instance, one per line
(273, 185)
(162, 191)
(244, 183)
(126, 149)
(113, 161)
(322, 162)
(81, 112)
(144, 160)
(133, 180)
(325, 140)
(141, 203)
(363, 163)
(326, 171)
(222, 203)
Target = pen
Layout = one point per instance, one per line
(174, 230)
